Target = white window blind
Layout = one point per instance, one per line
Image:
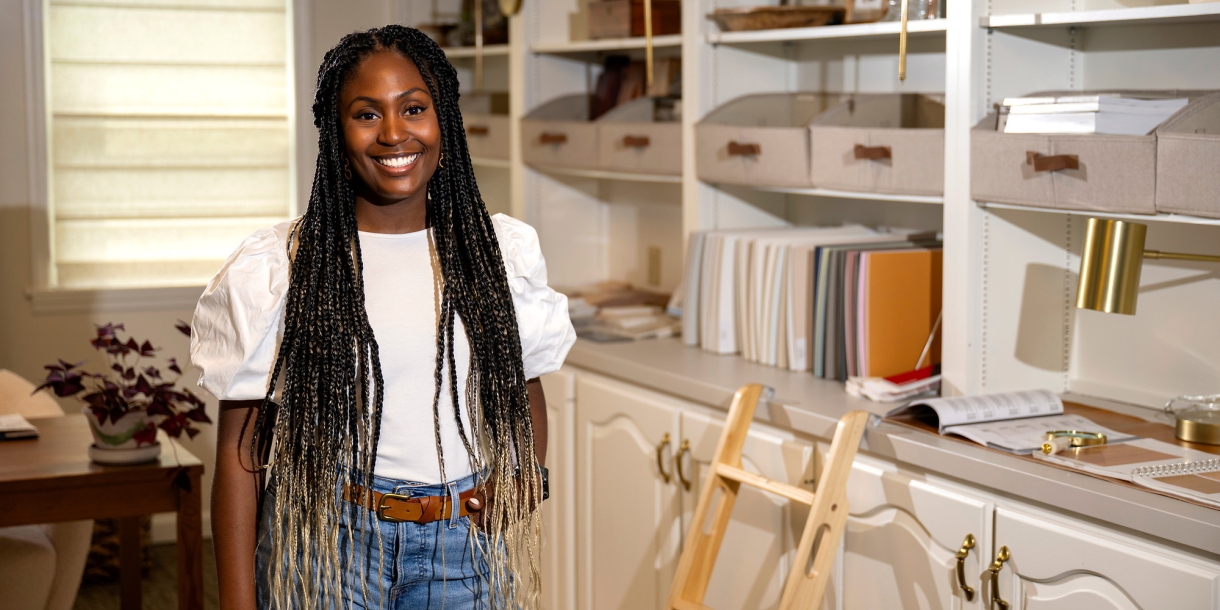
(170, 135)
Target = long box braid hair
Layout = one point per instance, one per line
(327, 420)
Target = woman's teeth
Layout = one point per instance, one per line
(398, 161)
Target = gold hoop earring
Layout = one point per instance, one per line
(347, 170)
(441, 162)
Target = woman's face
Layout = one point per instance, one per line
(390, 130)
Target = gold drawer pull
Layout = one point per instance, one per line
(685, 448)
(553, 138)
(1051, 163)
(872, 152)
(996, 566)
(961, 555)
(636, 141)
(477, 130)
(737, 149)
(661, 456)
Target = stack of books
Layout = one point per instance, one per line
(836, 301)
(1099, 114)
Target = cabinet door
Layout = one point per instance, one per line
(901, 537)
(1058, 563)
(627, 516)
(761, 539)
(558, 513)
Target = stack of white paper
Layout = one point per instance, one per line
(1103, 114)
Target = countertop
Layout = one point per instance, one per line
(811, 406)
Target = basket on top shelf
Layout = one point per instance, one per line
(881, 143)
(759, 140)
(485, 116)
(1102, 172)
(628, 139)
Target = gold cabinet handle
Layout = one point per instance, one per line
(661, 458)
(685, 448)
(996, 566)
(961, 555)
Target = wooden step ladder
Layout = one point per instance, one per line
(827, 515)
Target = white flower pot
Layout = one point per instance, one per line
(115, 442)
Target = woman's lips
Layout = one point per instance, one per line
(397, 165)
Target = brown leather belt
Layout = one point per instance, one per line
(425, 509)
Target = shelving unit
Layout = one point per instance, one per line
(491, 50)
(1141, 218)
(604, 45)
(605, 175)
(834, 194)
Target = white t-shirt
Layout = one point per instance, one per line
(239, 321)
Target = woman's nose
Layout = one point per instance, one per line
(394, 130)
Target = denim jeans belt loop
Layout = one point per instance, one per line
(396, 508)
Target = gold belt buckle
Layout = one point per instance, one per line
(381, 507)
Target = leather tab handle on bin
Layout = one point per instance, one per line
(553, 138)
(873, 152)
(1051, 163)
(737, 149)
(636, 141)
(477, 130)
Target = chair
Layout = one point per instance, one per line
(40, 565)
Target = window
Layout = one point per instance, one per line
(169, 135)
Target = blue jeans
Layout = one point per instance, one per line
(414, 566)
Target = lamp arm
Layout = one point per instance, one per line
(1205, 258)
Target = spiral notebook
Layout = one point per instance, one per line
(1195, 480)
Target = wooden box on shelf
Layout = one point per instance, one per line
(1089, 172)
(881, 143)
(485, 117)
(631, 140)
(759, 140)
(625, 18)
(559, 134)
(1187, 158)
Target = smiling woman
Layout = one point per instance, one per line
(403, 395)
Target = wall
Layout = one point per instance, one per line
(29, 340)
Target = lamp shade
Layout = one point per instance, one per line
(1110, 266)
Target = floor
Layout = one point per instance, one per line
(160, 586)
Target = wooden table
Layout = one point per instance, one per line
(51, 479)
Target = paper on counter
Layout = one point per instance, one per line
(1026, 435)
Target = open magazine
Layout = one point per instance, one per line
(1014, 421)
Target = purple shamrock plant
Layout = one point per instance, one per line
(131, 385)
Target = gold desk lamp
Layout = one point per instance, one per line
(1109, 282)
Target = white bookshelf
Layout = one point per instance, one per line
(604, 45)
(597, 174)
(837, 194)
(1141, 218)
(491, 50)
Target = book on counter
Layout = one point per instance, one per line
(1087, 114)
(16, 426)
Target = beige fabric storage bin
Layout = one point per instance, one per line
(629, 140)
(759, 140)
(1188, 160)
(559, 134)
(1104, 173)
(883, 143)
(486, 130)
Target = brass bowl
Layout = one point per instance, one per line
(774, 17)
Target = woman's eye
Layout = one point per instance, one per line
(366, 116)
(413, 110)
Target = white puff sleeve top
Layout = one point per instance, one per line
(238, 322)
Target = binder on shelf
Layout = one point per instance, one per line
(881, 143)
(759, 140)
(630, 139)
(1089, 172)
(559, 134)
(485, 117)
(1188, 153)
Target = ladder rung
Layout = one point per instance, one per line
(796, 494)
(681, 604)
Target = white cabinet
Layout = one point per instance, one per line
(901, 539)
(558, 513)
(1060, 564)
(628, 517)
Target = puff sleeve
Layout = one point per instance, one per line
(237, 324)
(542, 313)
